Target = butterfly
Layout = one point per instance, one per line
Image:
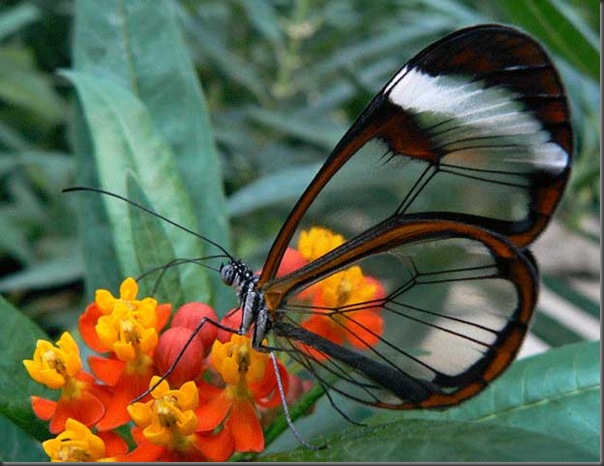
(463, 157)
(473, 133)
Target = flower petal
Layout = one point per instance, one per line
(128, 289)
(43, 408)
(87, 409)
(218, 447)
(87, 323)
(108, 370)
(163, 311)
(211, 414)
(127, 388)
(245, 427)
(114, 444)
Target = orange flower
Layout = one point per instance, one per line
(248, 380)
(170, 427)
(124, 325)
(346, 304)
(60, 367)
(336, 318)
(128, 328)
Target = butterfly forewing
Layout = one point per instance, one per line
(451, 315)
(475, 128)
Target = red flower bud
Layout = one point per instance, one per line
(231, 320)
(171, 343)
(292, 260)
(190, 315)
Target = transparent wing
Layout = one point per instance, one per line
(420, 312)
(474, 128)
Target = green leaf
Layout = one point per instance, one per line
(572, 295)
(21, 85)
(17, 444)
(265, 19)
(152, 246)
(17, 17)
(551, 331)
(557, 25)
(18, 337)
(102, 268)
(126, 143)
(231, 64)
(143, 49)
(430, 441)
(321, 133)
(286, 185)
(60, 270)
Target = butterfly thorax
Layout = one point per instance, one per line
(251, 300)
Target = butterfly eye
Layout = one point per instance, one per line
(228, 274)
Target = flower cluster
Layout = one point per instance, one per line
(206, 409)
(203, 404)
(347, 304)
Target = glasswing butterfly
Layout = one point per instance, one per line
(473, 137)
(463, 155)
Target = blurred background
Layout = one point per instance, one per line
(283, 81)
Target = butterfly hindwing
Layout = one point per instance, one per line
(456, 305)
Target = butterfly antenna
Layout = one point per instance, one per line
(176, 262)
(149, 211)
(288, 418)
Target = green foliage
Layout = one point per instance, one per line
(18, 423)
(111, 97)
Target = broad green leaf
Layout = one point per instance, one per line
(557, 25)
(18, 337)
(143, 48)
(431, 441)
(152, 246)
(126, 143)
(17, 444)
(102, 268)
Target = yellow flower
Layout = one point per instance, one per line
(347, 287)
(54, 366)
(318, 241)
(169, 419)
(77, 443)
(128, 326)
(126, 334)
(144, 309)
(237, 362)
